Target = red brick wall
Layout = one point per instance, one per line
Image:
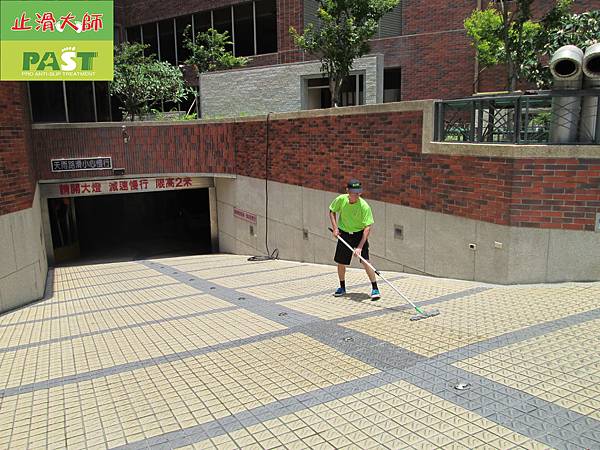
(151, 149)
(556, 193)
(17, 173)
(433, 16)
(383, 150)
(433, 65)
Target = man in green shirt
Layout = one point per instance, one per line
(353, 224)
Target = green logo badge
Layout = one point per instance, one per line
(59, 40)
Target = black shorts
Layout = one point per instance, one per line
(343, 255)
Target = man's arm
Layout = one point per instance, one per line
(333, 219)
(365, 236)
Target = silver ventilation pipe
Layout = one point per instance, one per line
(589, 112)
(566, 68)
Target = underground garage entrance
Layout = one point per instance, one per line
(130, 226)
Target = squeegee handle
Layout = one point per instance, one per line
(376, 271)
(360, 256)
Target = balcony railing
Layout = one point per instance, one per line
(540, 118)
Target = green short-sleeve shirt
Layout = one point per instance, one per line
(353, 217)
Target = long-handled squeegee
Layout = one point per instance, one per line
(420, 313)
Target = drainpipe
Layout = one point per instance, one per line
(567, 71)
(589, 112)
(476, 75)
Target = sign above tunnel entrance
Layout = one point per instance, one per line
(123, 186)
(73, 164)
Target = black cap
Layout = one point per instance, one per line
(354, 186)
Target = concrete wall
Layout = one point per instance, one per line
(23, 266)
(278, 88)
(432, 243)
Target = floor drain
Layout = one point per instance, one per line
(462, 386)
(281, 314)
(348, 339)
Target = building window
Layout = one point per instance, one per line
(134, 34)
(86, 101)
(222, 23)
(181, 23)
(252, 27)
(80, 101)
(47, 101)
(317, 93)
(103, 101)
(391, 23)
(166, 33)
(392, 85)
(150, 37)
(244, 29)
(266, 26)
(202, 22)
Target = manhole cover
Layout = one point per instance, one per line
(462, 386)
(281, 314)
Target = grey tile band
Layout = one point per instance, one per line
(436, 376)
(433, 301)
(330, 291)
(110, 308)
(234, 275)
(99, 310)
(260, 414)
(520, 335)
(430, 374)
(127, 367)
(121, 328)
(511, 408)
(97, 296)
(374, 352)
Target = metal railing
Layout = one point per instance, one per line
(518, 119)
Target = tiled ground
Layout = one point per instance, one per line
(218, 352)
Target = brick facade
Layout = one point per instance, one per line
(17, 173)
(322, 152)
(434, 52)
(150, 149)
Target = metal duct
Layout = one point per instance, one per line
(589, 112)
(566, 68)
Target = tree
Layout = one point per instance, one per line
(562, 29)
(342, 36)
(208, 53)
(498, 34)
(141, 82)
(504, 34)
